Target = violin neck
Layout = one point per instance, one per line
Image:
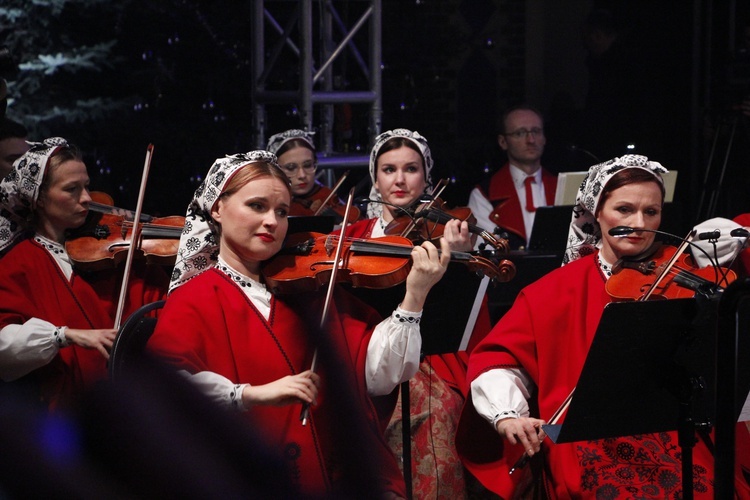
(441, 217)
(370, 247)
(158, 232)
(110, 210)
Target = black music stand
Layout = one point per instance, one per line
(656, 355)
(732, 379)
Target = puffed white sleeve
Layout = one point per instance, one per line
(501, 393)
(217, 388)
(26, 347)
(393, 352)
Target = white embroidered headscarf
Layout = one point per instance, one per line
(199, 242)
(19, 190)
(375, 208)
(585, 235)
(276, 141)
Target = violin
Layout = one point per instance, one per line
(103, 241)
(305, 263)
(431, 221)
(664, 272)
(323, 201)
(414, 224)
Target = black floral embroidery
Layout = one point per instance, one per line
(236, 397)
(505, 414)
(235, 276)
(406, 319)
(218, 179)
(588, 228)
(192, 244)
(647, 466)
(52, 248)
(606, 269)
(200, 262)
(60, 339)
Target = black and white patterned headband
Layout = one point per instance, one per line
(585, 235)
(19, 190)
(199, 242)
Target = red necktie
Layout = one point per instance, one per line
(528, 181)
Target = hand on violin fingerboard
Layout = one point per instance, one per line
(458, 236)
(428, 268)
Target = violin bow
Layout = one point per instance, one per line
(668, 266)
(135, 236)
(521, 462)
(435, 194)
(332, 193)
(329, 293)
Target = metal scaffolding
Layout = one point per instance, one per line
(310, 27)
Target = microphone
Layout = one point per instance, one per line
(740, 232)
(710, 235)
(621, 231)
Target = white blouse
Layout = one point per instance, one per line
(26, 347)
(392, 354)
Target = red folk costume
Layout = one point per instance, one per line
(208, 324)
(547, 334)
(226, 330)
(436, 391)
(32, 285)
(40, 293)
(503, 197)
(744, 266)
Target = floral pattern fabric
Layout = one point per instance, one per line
(645, 466)
(437, 471)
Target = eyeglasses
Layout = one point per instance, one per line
(522, 133)
(291, 168)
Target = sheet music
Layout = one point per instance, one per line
(569, 182)
(474, 313)
(745, 413)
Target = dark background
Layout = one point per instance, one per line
(176, 73)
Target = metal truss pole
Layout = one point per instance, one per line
(316, 89)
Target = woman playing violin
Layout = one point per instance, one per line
(251, 350)
(295, 151)
(537, 350)
(56, 325)
(400, 167)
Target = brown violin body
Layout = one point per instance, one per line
(306, 262)
(322, 201)
(432, 225)
(639, 279)
(103, 241)
(424, 229)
